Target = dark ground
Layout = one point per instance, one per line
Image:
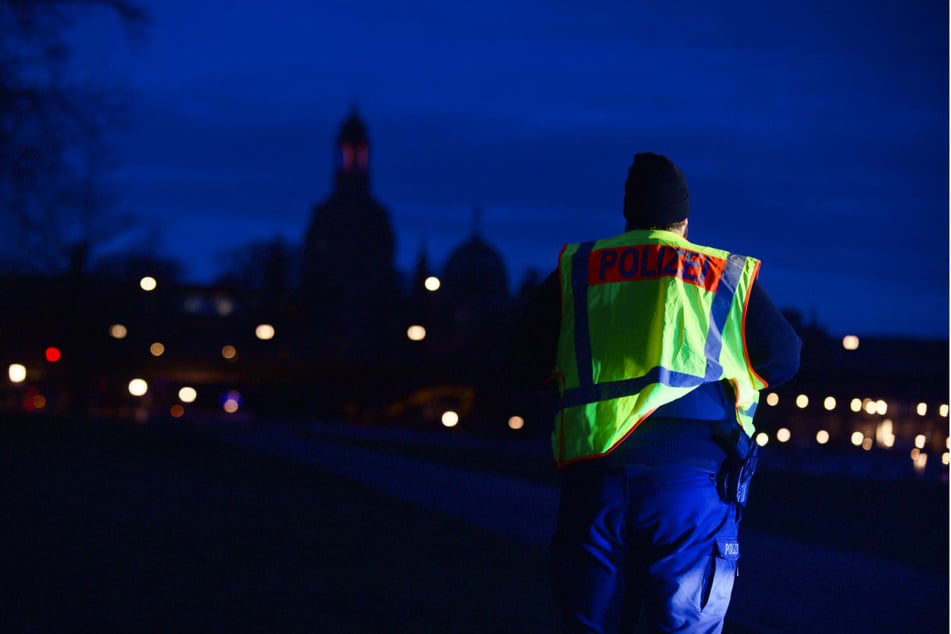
(115, 527)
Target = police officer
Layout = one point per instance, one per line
(659, 348)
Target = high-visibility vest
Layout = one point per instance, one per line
(646, 317)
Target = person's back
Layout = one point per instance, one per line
(659, 350)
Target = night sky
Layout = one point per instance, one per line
(814, 135)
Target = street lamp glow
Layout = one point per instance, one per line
(17, 372)
(762, 439)
(943, 410)
(783, 434)
(920, 440)
(802, 401)
(416, 333)
(148, 283)
(450, 418)
(772, 399)
(118, 331)
(850, 342)
(869, 406)
(516, 422)
(829, 403)
(264, 332)
(157, 349)
(921, 409)
(858, 438)
(855, 405)
(138, 387)
(881, 407)
(432, 283)
(229, 352)
(187, 394)
(822, 437)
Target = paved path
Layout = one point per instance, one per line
(784, 586)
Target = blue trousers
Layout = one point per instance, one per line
(643, 549)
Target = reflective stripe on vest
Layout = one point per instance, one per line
(661, 258)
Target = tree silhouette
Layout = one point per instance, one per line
(54, 127)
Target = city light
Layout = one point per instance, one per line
(850, 342)
(177, 411)
(516, 422)
(945, 458)
(855, 405)
(762, 439)
(264, 332)
(867, 444)
(920, 440)
(138, 387)
(229, 352)
(783, 434)
(118, 331)
(772, 399)
(224, 306)
(432, 283)
(869, 406)
(17, 373)
(921, 461)
(416, 333)
(857, 438)
(187, 394)
(829, 403)
(53, 354)
(157, 349)
(943, 410)
(450, 419)
(38, 401)
(885, 433)
(922, 409)
(822, 437)
(148, 283)
(232, 402)
(881, 407)
(802, 401)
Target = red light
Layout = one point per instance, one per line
(53, 354)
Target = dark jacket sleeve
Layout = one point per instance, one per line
(771, 341)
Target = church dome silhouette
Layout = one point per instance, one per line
(476, 272)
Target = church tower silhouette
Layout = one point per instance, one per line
(348, 277)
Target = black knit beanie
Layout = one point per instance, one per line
(655, 193)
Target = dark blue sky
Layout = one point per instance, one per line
(814, 135)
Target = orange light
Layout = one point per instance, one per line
(53, 354)
(177, 411)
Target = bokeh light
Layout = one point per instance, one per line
(157, 349)
(264, 332)
(921, 409)
(187, 394)
(772, 399)
(53, 354)
(432, 283)
(943, 410)
(855, 405)
(138, 387)
(148, 283)
(231, 402)
(829, 403)
(762, 439)
(450, 418)
(416, 333)
(850, 342)
(920, 441)
(857, 438)
(802, 401)
(229, 352)
(822, 436)
(118, 331)
(869, 406)
(881, 407)
(867, 444)
(783, 434)
(177, 411)
(516, 422)
(17, 372)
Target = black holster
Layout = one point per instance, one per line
(733, 480)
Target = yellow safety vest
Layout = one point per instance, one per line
(646, 317)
